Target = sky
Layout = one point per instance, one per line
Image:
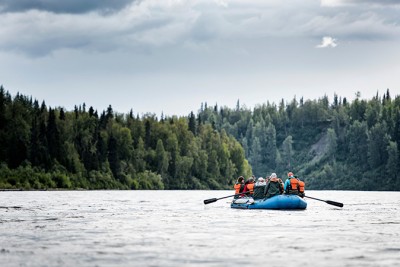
(169, 56)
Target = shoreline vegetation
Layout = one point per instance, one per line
(334, 145)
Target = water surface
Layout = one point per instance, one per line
(175, 228)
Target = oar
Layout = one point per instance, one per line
(212, 200)
(330, 202)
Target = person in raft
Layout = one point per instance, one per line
(239, 186)
(274, 186)
(249, 186)
(259, 189)
(293, 185)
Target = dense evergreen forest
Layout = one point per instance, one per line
(43, 147)
(330, 145)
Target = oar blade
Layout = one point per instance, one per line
(211, 200)
(334, 203)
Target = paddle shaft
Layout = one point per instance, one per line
(330, 202)
(212, 200)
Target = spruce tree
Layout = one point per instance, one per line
(192, 123)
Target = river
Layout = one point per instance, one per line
(175, 228)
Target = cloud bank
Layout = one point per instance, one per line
(39, 28)
(126, 52)
(59, 6)
(360, 2)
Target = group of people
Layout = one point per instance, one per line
(269, 187)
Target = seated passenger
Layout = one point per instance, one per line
(249, 187)
(239, 186)
(274, 186)
(293, 185)
(259, 189)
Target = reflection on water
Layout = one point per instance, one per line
(175, 228)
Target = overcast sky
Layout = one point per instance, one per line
(170, 56)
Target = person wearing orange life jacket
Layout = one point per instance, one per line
(249, 186)
(239, 186)
(293, 185)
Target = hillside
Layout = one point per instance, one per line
(331, 145)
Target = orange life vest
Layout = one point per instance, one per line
(250, 187)
(294, 183)
(237, 188)
(301, 186)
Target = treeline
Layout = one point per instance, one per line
(330, 144)
(43, 147)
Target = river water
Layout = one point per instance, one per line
(175, 228)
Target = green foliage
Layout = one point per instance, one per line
(393, 165)
(287, 151)
(149, 180)
(338, 145)
(43, 147)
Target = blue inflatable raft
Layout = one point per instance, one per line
(281, 202)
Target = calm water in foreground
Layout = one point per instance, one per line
(175, 228)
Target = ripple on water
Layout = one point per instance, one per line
(11, 207)
(395, 250)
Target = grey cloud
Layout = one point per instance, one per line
(352, 26)
(369, 3)
(375, 2)
(60, 6)
(39, 33)
(149, 26)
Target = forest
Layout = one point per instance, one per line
(332, 145)
(43, 147)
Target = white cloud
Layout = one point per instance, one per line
(327, 41)
(223, 3)
(333, 3)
